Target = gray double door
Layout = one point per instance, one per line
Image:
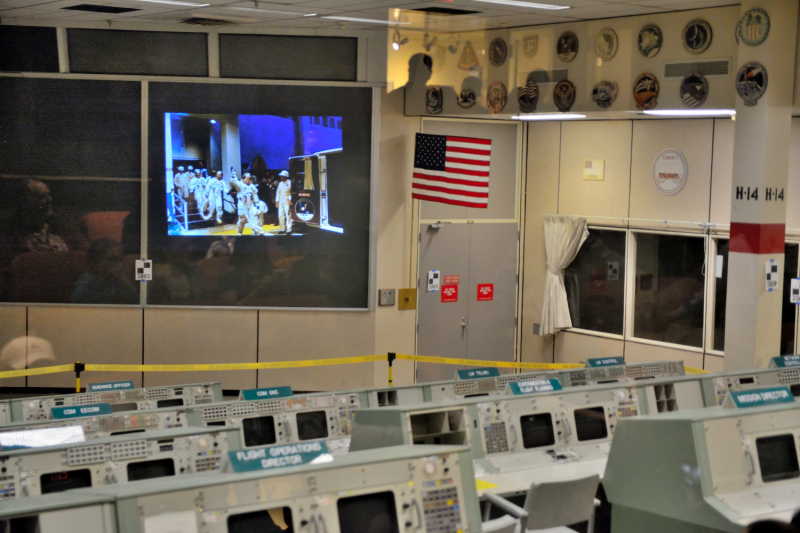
(469, 327)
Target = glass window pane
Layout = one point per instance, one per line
(156, 53)
(595, 283)
(70, 191)
(285, 57)
(28, 49)
(720, 294)
(788, 309)
(669, 299)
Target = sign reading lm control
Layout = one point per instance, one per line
(605, 361)
(276, 456)
(78, 411)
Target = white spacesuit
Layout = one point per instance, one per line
(247, 198)
(197, 189)
(215, 188)
(283, 201)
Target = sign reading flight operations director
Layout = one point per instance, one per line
(449, 293)
(276, 456)
(78, 411)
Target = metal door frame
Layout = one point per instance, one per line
(520, 181)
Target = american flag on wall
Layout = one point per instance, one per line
(452, 170)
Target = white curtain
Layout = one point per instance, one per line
(563, 237)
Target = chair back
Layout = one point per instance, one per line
(561, 503)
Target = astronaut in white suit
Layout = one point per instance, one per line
(283, 201)
(247, 198)
(215, 188)
(197, 188)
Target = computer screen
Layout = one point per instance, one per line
(259, 431)
(777, 457)
(23, 524)
(368, 513)
(590, 423)
(68, 480)
(151, 469)
(127, 406)
(277, 520)
(537, 430)
(312, 425)
(172, 402)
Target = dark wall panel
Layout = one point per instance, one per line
(138, 52)
(28, 49)
(288, 58)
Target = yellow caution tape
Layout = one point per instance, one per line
(296, 364)
(37, 371)
(235, 366)
(474, 362)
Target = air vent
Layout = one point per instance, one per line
(200, 21)
(720, 67)
(101, 9)
(549, 76)
(445, 11)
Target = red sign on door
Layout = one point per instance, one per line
(449, 293)
(451, 280)
(485, 292)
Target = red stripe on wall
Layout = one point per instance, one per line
(757, 238)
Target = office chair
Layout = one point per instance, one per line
(550, 506)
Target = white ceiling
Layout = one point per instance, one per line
(290, 13)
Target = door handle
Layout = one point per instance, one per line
(464, 323)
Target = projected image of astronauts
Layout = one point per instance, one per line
(250, 175)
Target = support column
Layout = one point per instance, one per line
(758, 195)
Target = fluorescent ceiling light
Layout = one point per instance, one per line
(549, 116)
(269, 11)
(367, 21)
(692, 112)
(518, 3)
(175, 3)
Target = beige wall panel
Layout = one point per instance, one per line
(294, 336)
(577, 347)
(100, 335)
(793, 191)
(200, 336)
(541, 197)
(395, 330)
(714, 363)
(722, 171)
(607, 140)
(636, 352)
(693, 138)
(12, 326)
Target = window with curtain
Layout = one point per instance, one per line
(595, 283)
(669, 297)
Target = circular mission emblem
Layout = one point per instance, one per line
(670, 172)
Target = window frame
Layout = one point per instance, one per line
(603, 334)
